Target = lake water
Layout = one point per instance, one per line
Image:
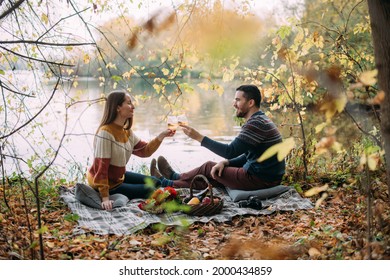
(208, 112)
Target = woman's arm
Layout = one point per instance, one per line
(146, 149)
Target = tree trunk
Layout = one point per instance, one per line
(379, 11)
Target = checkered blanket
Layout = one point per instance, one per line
(130, 219)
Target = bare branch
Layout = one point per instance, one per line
(2, 85)
(36, 59)
(36, 42)
(62, 19)
(36, 115)
(11, 9)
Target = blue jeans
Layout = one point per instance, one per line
(134, 186)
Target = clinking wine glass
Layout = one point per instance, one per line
(182, 119)
(172, 123)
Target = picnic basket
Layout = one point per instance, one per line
(214, 207)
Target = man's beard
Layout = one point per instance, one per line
(241, 114)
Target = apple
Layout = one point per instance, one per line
(206, 200)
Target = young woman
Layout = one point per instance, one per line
(113, 145)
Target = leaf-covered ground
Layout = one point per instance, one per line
(336, 230)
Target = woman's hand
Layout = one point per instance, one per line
(166, 133)
(217, 169)
(107, 203)
(192, 133)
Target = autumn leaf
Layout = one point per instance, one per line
(44, 18)
(368, 78)
(325, 144)
(86, 58)
(165, 71)
(228, 76)
(316, 190)
(281, 149)
(372, 160)
(320, 127)
(314, 252)
(218, 89)
(378, 99)
(132, 42)
(320, 200)
(331, 107)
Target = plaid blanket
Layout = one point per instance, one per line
(130, 219)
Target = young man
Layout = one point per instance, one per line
(240, 169)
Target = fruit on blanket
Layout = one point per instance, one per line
(216, 200)
(206, 200)
(194, 201)
(157, 193)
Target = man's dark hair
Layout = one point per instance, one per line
(251, 92)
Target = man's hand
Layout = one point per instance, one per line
(192, 133)
(217, 169)
(107, 203)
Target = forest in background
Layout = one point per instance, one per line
(321, 60)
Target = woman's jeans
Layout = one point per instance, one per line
(137, 185)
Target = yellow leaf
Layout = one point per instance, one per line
(51, 245)
(368, 78)
(86, 58)
(319, 201)
(157, 88)
(165, 71)
(372, 162)
(228, 76)
(160, 241)
(281, 149)
(333, 106)
(320, 127)
(218, 89)
(44, 18)
(316, 190)
(42, 230)
(340, 103)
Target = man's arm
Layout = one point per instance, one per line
(229, 151)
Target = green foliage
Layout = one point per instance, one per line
(71, 217)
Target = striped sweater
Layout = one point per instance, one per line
(112, 150)
(256, 136)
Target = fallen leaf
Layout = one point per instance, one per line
(314, 252)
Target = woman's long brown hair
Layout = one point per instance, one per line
(114, 99)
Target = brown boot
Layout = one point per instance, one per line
(164, 167)
(153, 169)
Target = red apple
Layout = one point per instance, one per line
(206, 200)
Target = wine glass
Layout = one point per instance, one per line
(172, 123)
(182, 119)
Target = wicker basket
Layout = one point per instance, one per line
(205, 209)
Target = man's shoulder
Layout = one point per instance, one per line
(258, 119)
